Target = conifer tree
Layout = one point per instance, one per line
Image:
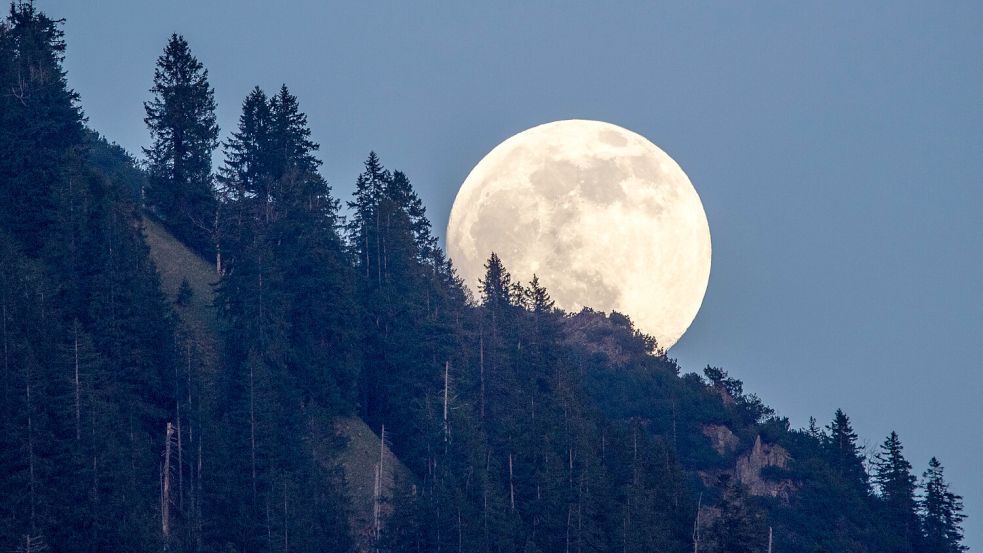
(497, 292)
(181, 120)
(287, 297)
(942, 512)
(40, 124)
(365, 225)
(846, 455)
(893, 477)
(537, 298)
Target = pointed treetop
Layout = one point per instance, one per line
(496, 287)
(538, 299)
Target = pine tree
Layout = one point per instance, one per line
(181, 120)
(942, 513)
(497, 291)
(537, 299)
(40, 124)
(846, 456)
(364, 228)
(893, 477)
(286, 293)
(247, 170)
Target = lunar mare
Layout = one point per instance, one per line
(604, 217)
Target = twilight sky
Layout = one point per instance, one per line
(837, 148)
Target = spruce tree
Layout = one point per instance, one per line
(896, 483)
(942, 512)
(497, 292)
(181, 120)
(364, 227)
(40, 124)
(846, 456)
(287, 298)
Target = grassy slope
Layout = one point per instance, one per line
(175, 263)
(358, 459)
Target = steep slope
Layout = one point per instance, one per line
(359, 452)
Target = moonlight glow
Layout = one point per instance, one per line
(604, 217)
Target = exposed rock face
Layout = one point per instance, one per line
(749, 464)
(762, 455)
(721, 438)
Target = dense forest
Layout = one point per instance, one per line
(184, 346)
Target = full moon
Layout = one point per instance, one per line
(601, 215)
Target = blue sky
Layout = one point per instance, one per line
(837, 148)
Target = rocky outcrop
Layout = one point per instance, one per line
(761, 456)
(722, 439)
(750, 464)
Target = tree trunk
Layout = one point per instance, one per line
(481, 370)
(511, 485)
(447, 429)
(252, 423)
(165, 502)
(286, 519)
(377, 510)
(180, 449)
(78, 401)
(696, 525)
(30, 450)
(199, 524)
(6, 353)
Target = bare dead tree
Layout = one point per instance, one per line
(6, 352)
(481, 370)
(696, 525)
(32, 483)
(165, 499)
(377, 507)
(252, 422)
(198, 524)
(447, 428)
(286, 520)
(32, 544)
(511, 485)
(180, 449)
(78, 399)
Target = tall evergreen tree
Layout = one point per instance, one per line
(287, 298)
(181, 120)
(942, 512)
(846, 456)
(497, 290)
(364, 228)
(893, 477)
(40, 122)
(410, 302)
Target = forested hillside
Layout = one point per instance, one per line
(191, 356)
